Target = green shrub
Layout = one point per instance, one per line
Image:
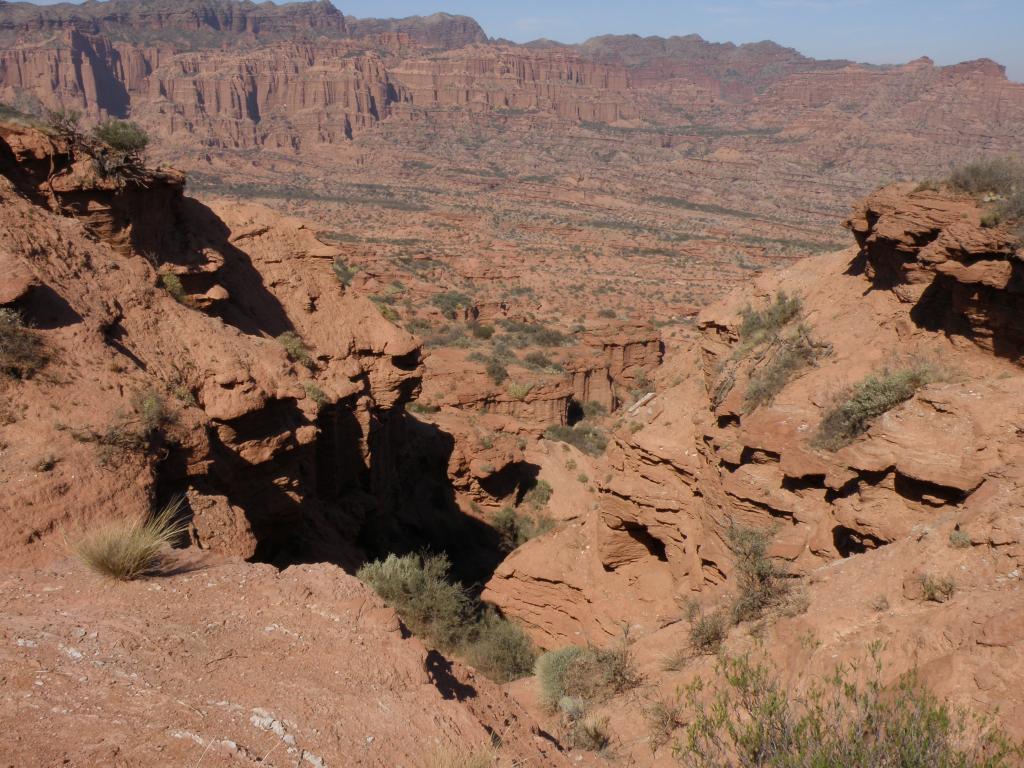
(518, 391)
(593, 409)
(479, 331)
(959, 539)
(607, 313)
(790, 356)
(122, 136)
(128, 549)
(708, 631)
(496, 371)
(342, 271)
(499, 648)
(996, 175)
(152, 411)
(539, 495)
(861, 404)
(314, 393)
(551, 669)
(64, 123)
(761, 325)
(21, 348)
(541, 361)
(296, 349)
(418, 587)
(585, 437)
(516, 529)
(760, 584)
(172, 284)
(746, 718)
(590, 674)
(450, 302)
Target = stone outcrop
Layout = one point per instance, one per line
(614, 361)
(703, 460)
(264, 447)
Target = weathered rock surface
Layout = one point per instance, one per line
(229, 663)
(871, 520)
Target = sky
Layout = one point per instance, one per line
(876, 31)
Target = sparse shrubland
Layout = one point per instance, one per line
(762, 325)
(539, 495)
(127, 549)
(584, 436)
(746, 718)
(451, 757)
(788, 357)
(574, 678)
(444, 613)
(450, 302)
(21, 349)
(855, 409)
(998, 181)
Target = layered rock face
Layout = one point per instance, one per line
(927, 282)
(265, 448)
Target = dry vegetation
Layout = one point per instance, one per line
(445, 614)
(127, 549)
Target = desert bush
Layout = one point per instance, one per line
(515, 528)
(517, 390)
(499, 648)
(541, 361)
(417, 407)
(587, 674)
(746, 718)
(606, 313)
(590, 733)
(760, 584)
(593, 409)
(790, 356)
(479, 331)
(172, 284)
(937, 589)
(128, 549)
(314, 393)
(64, 123)
(152, 411)
(761, 325)
(122, 136)
(551, 669)
(995, 175)
(539, 495)
(663, 718)
(586, 437)
(852, 413)
(21, 348)
(450, 302)
(296, 349)
(342, 271)
(959, 539)
(497, 371)
(419, 588)
(708, 631)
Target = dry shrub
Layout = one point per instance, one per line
(127, 549)
(21, 348)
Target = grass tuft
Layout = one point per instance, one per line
(127, 549)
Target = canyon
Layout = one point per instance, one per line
(392, 287)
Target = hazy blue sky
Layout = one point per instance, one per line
(879, 31)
